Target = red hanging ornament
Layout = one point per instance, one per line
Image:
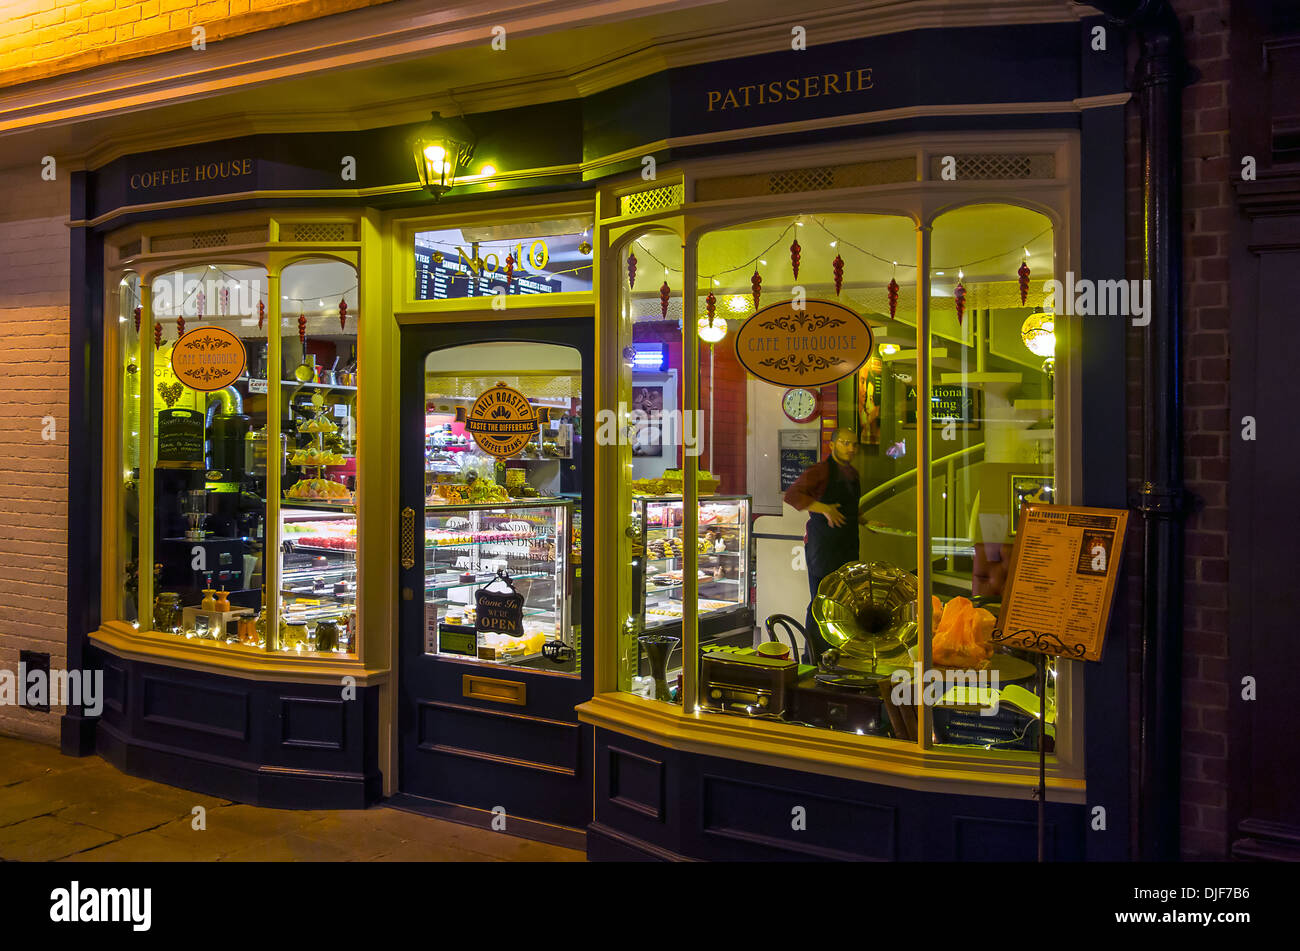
(180, 326)
(959, 297)
(710, 304)
(794, 257)
(837, 266)
(137, 320)
(756, 282)
(893, 297)
(157, 336)
(510, 269)
(1024, 281)
(343, 314)
(261, 314)
(302, 329)
(199, 302)
(631, 271)
(665, 292)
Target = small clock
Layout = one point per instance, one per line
(800, 404)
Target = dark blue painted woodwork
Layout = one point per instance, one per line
(532, 758)
(291, 746)
(657, 803)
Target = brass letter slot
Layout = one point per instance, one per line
(489, 688)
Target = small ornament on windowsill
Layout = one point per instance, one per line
(302, 329)
(510, 270)
(710, 305)
(157, 336)
(1024, 281)
(261, 314)
(795, 252)
(893, 297)
(343, 314)
(137, 313)
(665, 292)
(756, 284)
(631, 271)
(837, 267)
(959, 298)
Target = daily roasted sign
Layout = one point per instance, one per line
(819, 344)
(502, 421)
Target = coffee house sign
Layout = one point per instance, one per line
(818, 344)
(224, 170)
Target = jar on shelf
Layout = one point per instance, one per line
(167, 612)
(327, 635)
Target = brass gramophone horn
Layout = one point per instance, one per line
(868, 612)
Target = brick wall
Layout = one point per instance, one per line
(1207, 222)
(42, 38)
(34, 249)
(728, 442)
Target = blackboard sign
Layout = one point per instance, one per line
(499, 612)
(800, 448)
(793, 464)
(180, 436)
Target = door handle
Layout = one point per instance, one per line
(408, 538)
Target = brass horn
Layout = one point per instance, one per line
(868, 612)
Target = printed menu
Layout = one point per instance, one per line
(1062, 580)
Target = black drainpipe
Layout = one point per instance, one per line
(1160, 75)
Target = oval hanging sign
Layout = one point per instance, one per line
(208, 358)
(823, 343)
(502, 421)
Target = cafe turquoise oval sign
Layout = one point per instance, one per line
(208, 358)
(820, 344)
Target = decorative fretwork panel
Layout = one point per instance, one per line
(997, 167)
(318, 231)
(651, 200)
(793, 181)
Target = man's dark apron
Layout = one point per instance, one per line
(828, 548)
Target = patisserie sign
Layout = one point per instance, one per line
(502, 421)
(208, 358)
(819, 344)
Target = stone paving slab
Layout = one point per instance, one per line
(56, 807)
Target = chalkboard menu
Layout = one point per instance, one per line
(446, 280)
(180, 436)
(800, 448)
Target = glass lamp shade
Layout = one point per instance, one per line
(442, 150)
(712, 331)
(1039, 334)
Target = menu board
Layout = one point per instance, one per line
(444, 280)
(1062, 578)
(180, 436)
(800, 448)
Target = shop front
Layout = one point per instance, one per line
(499, 512)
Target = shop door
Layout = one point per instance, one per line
(495, 637)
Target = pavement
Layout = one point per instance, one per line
(62, 808)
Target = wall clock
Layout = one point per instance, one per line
(800, 404)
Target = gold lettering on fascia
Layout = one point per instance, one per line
(790, 90)
(185, 174)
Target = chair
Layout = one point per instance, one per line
(789, 626)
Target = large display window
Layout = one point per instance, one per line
(237, 415)
(868, 531)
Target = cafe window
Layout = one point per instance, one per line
(240, 457)
(533, 257)
(803, 554)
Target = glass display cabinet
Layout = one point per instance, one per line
(726, 613)
(502, 554)
(318, 579)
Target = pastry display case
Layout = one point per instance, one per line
(318, 578)
(516, 553)
(726, 611)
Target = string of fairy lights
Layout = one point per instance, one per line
(835, 242)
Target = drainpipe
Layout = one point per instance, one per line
(1159, 78)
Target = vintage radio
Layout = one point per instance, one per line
(747, 684)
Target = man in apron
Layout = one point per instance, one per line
(829, 491)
